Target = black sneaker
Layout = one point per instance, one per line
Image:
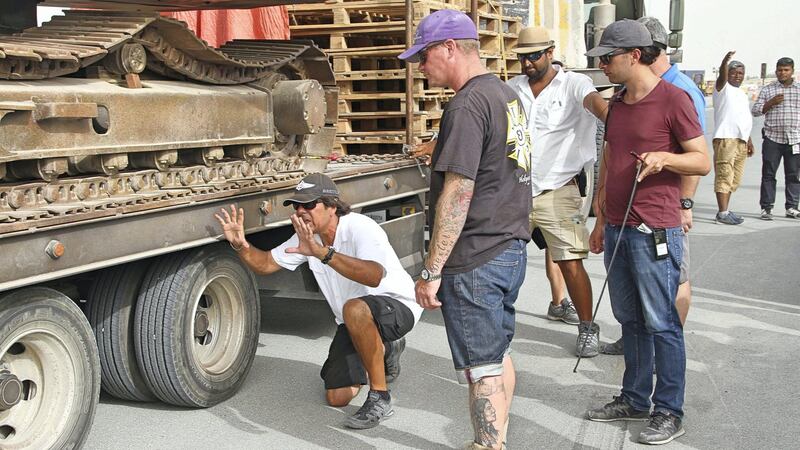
(391, 358)
(663, 428)
(374, 411)
(618, 409)
(614, 348)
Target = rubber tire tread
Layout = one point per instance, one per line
(163, 348)
(48, 305)
(111, 310)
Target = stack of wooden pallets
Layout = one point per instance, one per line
(363, 39)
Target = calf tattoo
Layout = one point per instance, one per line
(483, 418)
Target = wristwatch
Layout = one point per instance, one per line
(426, 275)
(687, 203)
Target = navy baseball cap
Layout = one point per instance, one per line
(440, 26)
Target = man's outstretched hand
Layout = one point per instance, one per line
(233, 226)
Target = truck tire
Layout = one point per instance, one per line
(50, 371)
(197, 324)
(111, 310)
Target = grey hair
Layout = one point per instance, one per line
(468, 45)
(735, 65)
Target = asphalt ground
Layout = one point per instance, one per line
(742, 339)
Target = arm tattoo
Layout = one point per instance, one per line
(483, 417)
(451, 214)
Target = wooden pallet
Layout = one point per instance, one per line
(363, 39)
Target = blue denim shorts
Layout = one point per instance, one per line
(478, 311)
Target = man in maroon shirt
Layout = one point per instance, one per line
(657, 122)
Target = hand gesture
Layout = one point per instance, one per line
(652, 163)
(426, 293)
(728, 57)
(307, 246)
(233, 226)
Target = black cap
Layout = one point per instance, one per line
(623, 33)
(311, 188)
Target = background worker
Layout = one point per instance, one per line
(562, 109)
(779, 101)
(358, 272)
(732, 142)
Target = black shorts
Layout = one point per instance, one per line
(343, 366)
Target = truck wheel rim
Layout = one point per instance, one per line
(217, 327)
(41, 362)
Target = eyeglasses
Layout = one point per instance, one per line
(531, 57)
(423, 54)
(307, 206)
(606, 59)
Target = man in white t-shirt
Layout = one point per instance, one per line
(362, 279)
(562, 108)
(732, 143)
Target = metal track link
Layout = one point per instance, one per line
(80, 38)
(29, 205)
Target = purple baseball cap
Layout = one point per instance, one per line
(440, 26)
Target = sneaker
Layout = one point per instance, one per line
(564, 312)
(618, 409)
(728, 219)
(766, 214)
(614, 348)
(391, 358)
(663, 428)
(793, 213)
(736, 216)
(374, 411)
(588, 344)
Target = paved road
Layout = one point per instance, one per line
(742, 340)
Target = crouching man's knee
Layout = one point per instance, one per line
(341, 396)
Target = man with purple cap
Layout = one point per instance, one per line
(652, 123)
(480, 200)
(358, 272)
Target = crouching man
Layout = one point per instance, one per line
(362, 279)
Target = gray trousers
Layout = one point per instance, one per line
(772, 152)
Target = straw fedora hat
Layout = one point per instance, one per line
(533, 39)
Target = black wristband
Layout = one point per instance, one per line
(328, 257)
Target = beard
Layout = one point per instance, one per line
(536, 75)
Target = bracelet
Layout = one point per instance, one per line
(328, 257)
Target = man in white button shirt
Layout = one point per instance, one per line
(562, 108)
(362, 279)
(732, 143)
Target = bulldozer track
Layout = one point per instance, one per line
(33, 205)
(78, 39)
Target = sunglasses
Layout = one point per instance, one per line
(307, 206)
(423, 54)
(532, 57)
(606, 59)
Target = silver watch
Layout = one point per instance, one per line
(426, 275)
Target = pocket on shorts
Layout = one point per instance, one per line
(493, 279)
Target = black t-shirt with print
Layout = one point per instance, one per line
(483, 136)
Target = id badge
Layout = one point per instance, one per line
(660, 243)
